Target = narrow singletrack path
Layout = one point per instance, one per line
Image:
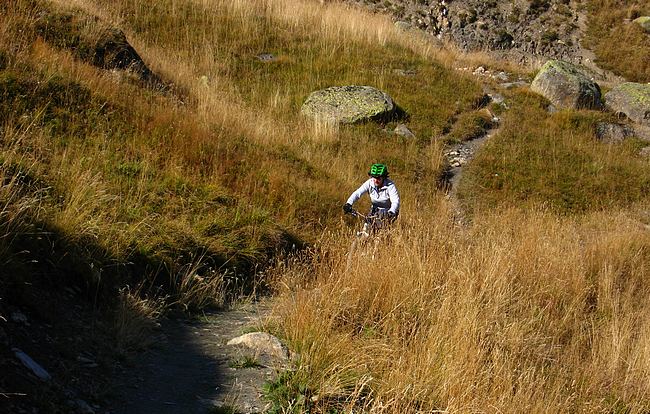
(190, 369)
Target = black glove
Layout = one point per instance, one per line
(347, 208)
(391, 216)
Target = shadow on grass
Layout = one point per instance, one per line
(69, 290)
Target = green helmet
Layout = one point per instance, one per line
(378, 170)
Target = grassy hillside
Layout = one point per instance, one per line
(138, 196)
(620, 45)
(222, 166)
(554, 161)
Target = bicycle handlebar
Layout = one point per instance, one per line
(355, 213)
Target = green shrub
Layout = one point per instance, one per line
(288, 393)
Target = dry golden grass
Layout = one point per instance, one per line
(136, 318)
(522, 311)
(620, 45)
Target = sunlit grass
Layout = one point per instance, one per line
(193, 190)
(620, 45)
(554, 160)
(520, 310)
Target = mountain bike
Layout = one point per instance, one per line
(373, 223)
(373, 226)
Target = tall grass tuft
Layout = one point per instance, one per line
(136, 318)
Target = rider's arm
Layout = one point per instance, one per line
(364, 188)
(394, 199)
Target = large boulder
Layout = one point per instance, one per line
(566, 86)
(644, 22)
(349, 105)
(94, 41)
(631, 99)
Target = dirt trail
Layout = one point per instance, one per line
(189, 371)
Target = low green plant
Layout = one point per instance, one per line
(246, 361)
(288, 393)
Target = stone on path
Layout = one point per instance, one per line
(348, 105)
(566, 86)
(263, 343)
(631, 99)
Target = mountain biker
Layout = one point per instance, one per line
(383, 195)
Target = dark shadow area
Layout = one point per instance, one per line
(59, 300)
(398, 114)
(183, 373)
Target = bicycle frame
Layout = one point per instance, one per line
(372, 223)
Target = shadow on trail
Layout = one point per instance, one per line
(188, 370)
(176, 376)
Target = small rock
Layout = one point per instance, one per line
(84, 407)
(266, 57)
(644, 22)
(405, 72)
(19, 317)
(496, 98)
(87, 362)
(502, 76)
(613, 133)
(402, 130)
(36, 369)
(263, 343)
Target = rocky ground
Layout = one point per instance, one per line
(527, 29)
(524, 32)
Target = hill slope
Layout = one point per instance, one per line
(130, 190)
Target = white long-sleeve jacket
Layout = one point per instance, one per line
(384, 198)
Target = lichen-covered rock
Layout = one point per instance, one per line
(348, 105)
(644, 22)
(566, 86)
(631, 99)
